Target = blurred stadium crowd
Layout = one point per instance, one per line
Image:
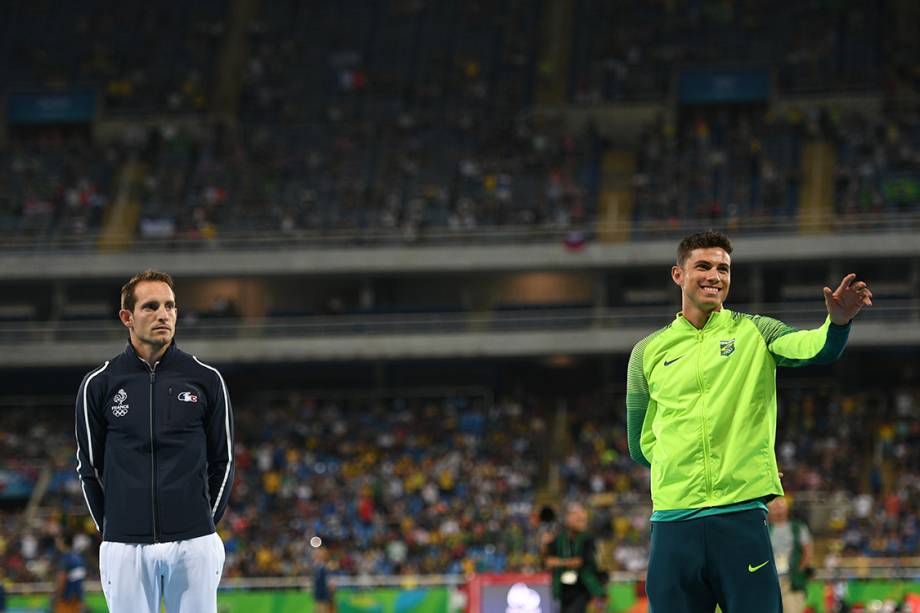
(449, 483)
(412, 115)
(736, 171)
(737, 168)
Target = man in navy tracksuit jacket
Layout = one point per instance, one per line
(154, 432)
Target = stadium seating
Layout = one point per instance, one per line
(447, 482)
(51, 190)
(413, 116)
(731, 167)
(106, 46)
(877, 164)
(627, 50)
(385, 481)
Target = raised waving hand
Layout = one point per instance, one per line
(845, 302)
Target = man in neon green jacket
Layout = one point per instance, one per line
(701, 413)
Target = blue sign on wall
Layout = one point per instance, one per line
(51, 107)
(720, 86)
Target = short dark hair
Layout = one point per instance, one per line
(128, 299)
(702, 240)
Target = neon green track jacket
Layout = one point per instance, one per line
(701, 405)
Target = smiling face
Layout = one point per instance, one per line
(704, 279)
(152, 322)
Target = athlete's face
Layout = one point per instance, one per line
(704, 278)
(153, 320)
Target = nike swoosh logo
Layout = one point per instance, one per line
(753, 569)
(669, 362)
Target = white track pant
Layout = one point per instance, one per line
(184, 574)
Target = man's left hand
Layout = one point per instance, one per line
(845, 302)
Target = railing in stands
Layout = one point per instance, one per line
(473, 321)
(497, 235)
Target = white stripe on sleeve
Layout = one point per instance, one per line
(223, 387)
(89, 442)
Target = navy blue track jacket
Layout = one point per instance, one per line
(154, 447)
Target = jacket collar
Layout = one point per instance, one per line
(134, 358)
(717, 319)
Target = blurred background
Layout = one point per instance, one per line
(419, 239)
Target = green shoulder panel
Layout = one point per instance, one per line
(637, 396)
(770, 329)
(792, 347)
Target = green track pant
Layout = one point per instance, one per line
(719, 559)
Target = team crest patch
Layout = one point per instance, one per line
(727, 348)
(120, 408)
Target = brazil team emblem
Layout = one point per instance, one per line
(727, 348)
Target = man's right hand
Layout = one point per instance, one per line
(845, 302)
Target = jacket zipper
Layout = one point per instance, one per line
(706, 449)
(153, 465)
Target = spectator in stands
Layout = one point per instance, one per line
(68, 590)
(571, 557)
(793, 554)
